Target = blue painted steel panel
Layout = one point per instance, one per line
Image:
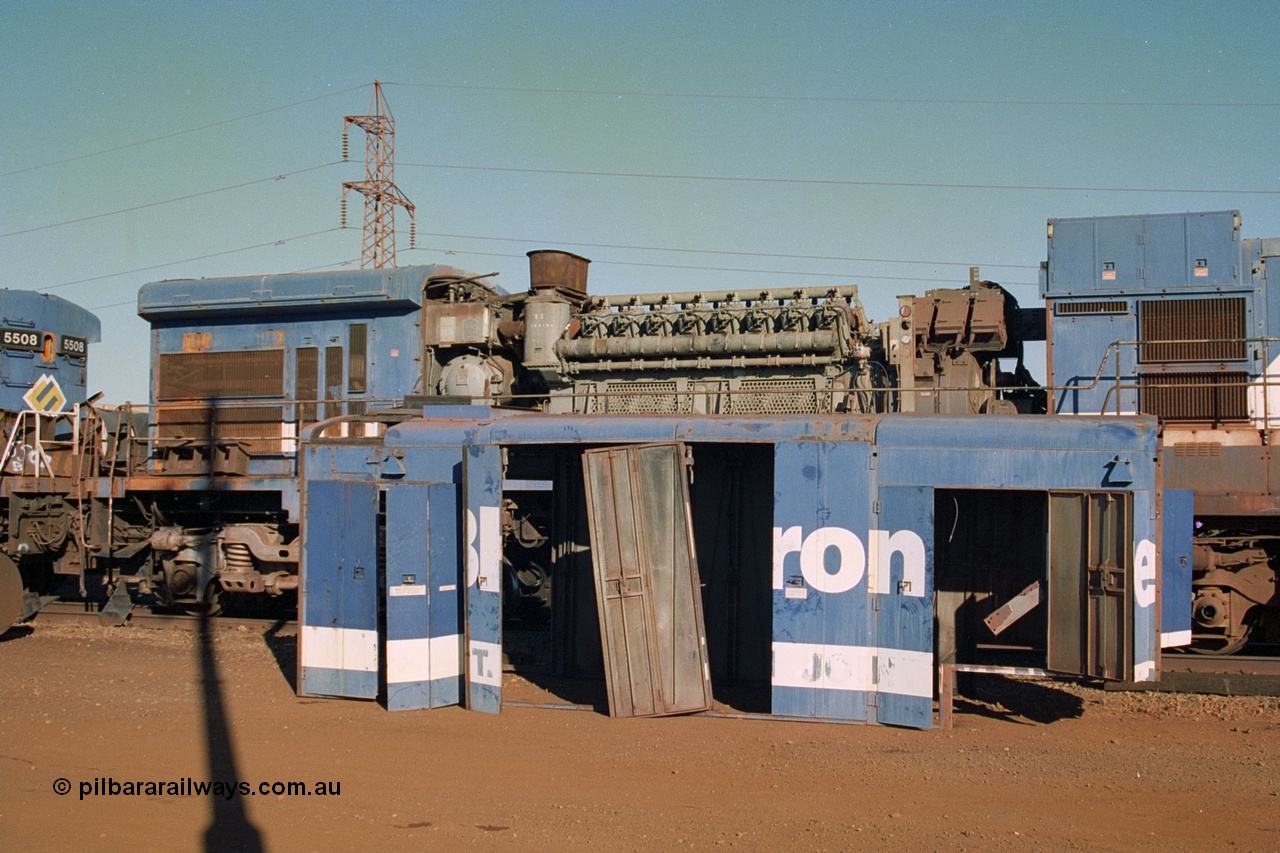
(1153, 253)
(22, 365)
(901, 558)
(338, 638)
(482, 488)
(1017, 432)
(823, 632)
(445, 579)
(422, 641)
(1178, 513)
(1087, 358)
(1146, 580)
(480, 425)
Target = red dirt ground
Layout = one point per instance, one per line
(1104, 771)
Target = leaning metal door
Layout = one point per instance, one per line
(1090, 584)
(482, 540)
(646, 578)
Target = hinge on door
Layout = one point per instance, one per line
(688, 462)
(875, 507)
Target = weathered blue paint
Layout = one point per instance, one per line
(904, 618)
(21, 365)
(1178, 531)
(853, 528)
(822, 618)
(338, 637)
(423, 637)
(1146, 581)
(482, 490)
(1153, 252)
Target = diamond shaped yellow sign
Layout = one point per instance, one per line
(46, 395)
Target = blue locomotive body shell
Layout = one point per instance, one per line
(43, 342)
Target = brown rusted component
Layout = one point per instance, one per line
(551, 268)
(196, 341)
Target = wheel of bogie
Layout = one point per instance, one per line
(1221, 645)
(11, 592)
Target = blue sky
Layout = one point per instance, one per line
(680, 145)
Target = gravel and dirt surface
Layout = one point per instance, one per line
(1030, 765)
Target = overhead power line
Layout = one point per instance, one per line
(136, 270)
(837, 99)
(836, 183)
(170, 200)
(177, 133)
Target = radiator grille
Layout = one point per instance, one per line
(1192, 330)
(778, 396)
(1195, 396)
(258, 426)
(1112, 306)
(357, 358)
(307, 382)
(332, 381)
(209, 375)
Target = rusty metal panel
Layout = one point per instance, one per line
(1090, 584)
(646, 576)
(446, 324)
(196, 341)
(951, 318)
(1067, 551)
(1211, 329)
(206, 375)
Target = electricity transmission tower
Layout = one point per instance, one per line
(381, 195)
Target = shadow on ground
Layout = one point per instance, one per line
(284, 648)
(17, 632)
(1023, 702)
